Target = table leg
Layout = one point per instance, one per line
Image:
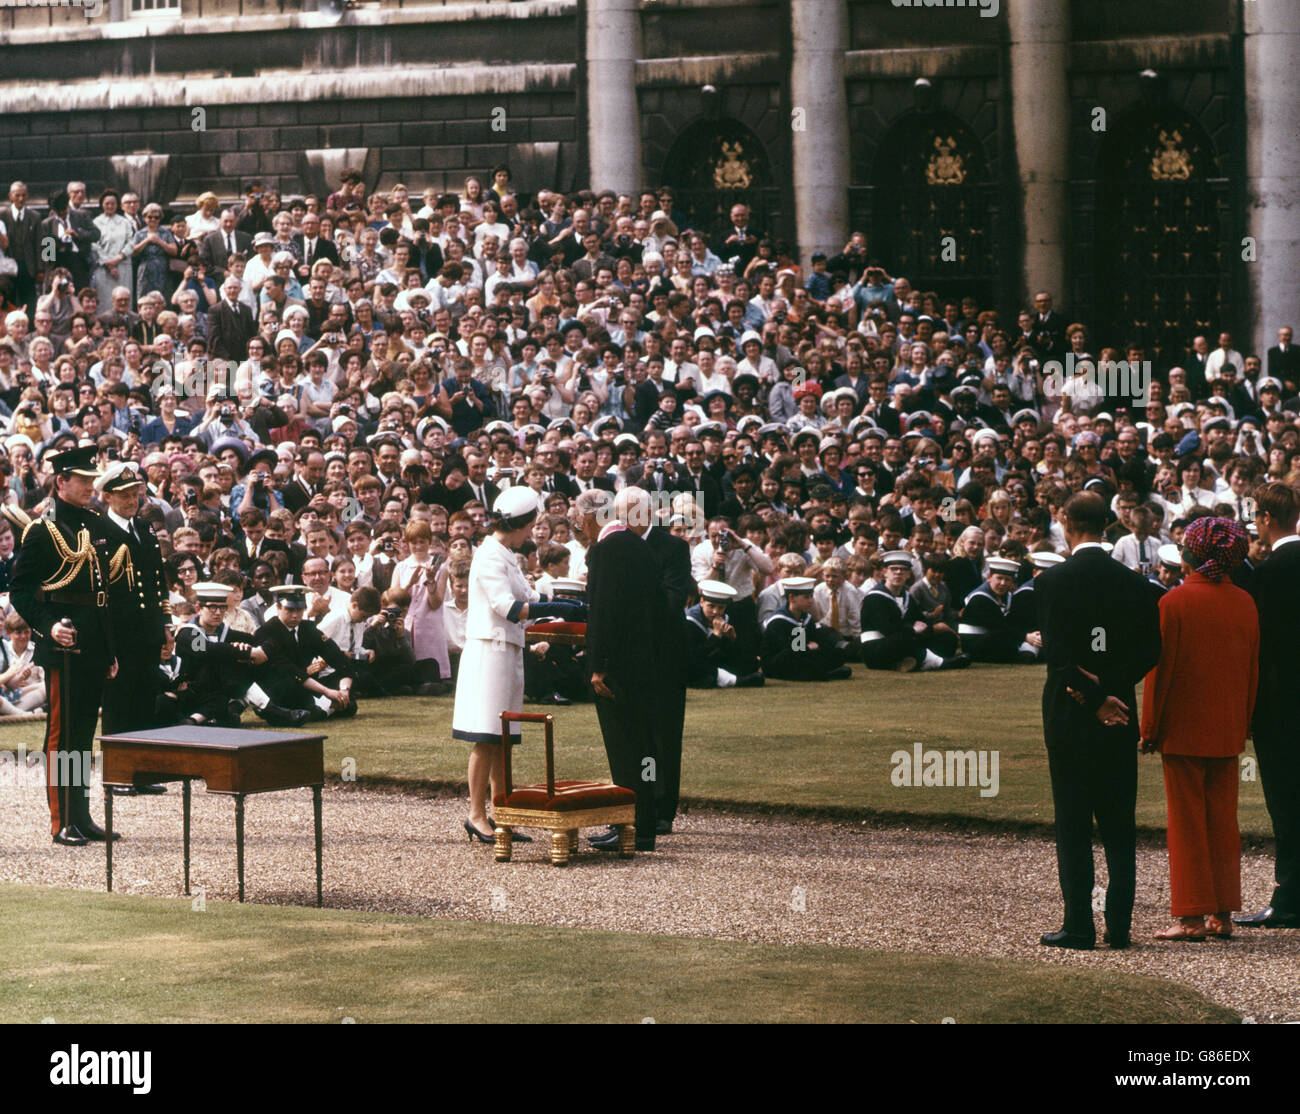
(239, 841)
(315, 804)
(108, 828)
(185, 797)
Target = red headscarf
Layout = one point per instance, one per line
(1215, 546)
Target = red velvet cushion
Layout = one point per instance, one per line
(557, 628)
(570, 796)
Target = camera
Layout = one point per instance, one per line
(392, 614)
(135, 425)
(227, 414)
(191, 497)
(724, 542)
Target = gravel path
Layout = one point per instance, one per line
(719, 875)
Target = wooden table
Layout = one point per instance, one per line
(233, 762)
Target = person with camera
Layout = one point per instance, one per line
(492, 663)
(222, 419)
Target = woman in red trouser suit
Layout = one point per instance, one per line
(1196, 711)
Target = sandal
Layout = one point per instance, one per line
(1180, 930)
(1219, 928)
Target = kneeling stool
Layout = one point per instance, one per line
(562, 807)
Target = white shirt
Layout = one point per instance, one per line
(339, 628)
(850, 604)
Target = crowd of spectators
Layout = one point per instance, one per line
(333, 391)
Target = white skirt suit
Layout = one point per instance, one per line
(491, 677)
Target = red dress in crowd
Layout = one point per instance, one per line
(1197, 707)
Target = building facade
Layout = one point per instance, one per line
(1140, 161)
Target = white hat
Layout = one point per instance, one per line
(749, 335)
(716, 590)
(1003, 564)
(797, 585)
(1045, 559)
(119, 475)
(1170, 555)
(211, 592)
(519, 501)
(897, 557)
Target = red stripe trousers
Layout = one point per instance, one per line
(1204, 843)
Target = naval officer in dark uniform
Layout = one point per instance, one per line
(137, 607)
(60, 586)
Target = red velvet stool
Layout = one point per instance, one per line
(561, 807)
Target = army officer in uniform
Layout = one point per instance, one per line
(60, 586)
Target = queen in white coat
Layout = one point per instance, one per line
(491, 675)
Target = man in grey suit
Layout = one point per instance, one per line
(22, 226)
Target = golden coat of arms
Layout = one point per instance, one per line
(945, 168)
(1171, 163)
(730, 171)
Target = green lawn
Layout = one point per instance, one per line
(80, 957)
(817, 747)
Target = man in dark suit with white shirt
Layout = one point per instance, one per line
(1101, 634)
(22, 225)
(1284, 361)
(313, 247)
(230, 324)
(216, 248)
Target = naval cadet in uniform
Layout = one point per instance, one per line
(217, 665)
(1023, 616)
(986, 631)
(794, 647)
(292, 644)
(60, 587)
(895, 632)
(715, 655)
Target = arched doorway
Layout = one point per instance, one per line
(715, 164)
(1159, 262)
(932, 208)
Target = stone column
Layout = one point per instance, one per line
(820, 135)
(153, 177)
(1272, 167)
(613, 118)
(1040, 55)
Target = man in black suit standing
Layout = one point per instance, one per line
(476, 481)
(1284, 361)
(1048, 329)
(1275, 727)
(1198, 358)
(217, 247)
(310, 470)
(23, 227)
(313, 246)
(623, 655)
(230, 324)
(741, 241)
(696, 480)
(676, 584)
(1101, 634)
(585, 476)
